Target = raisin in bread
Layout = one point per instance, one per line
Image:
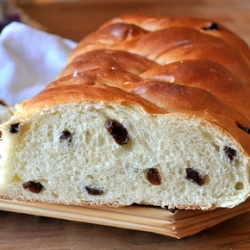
(148, 110)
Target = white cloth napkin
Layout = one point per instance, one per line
(29, 60)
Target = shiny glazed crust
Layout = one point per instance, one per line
(185, 65)
(195, 70)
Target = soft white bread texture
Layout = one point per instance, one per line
(148, 110)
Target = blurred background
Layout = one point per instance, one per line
(73, 19)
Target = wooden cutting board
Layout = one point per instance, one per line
(174, 223)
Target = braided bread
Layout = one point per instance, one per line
(147, 110)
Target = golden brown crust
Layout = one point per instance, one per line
(170, 39)
(154, 22)
(206, 75)
(109, 59)
(89, 92)
(184, 65)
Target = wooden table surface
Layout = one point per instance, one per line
(73, 21)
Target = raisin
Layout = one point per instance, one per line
(14, 128)
(230, 152)
(118, 132)
(153, 176)
(245, 129)
(93, 190)
(66, 136)
(195, 176)
(239, 185)
(33, 186)
(211, 26)
(1, 134)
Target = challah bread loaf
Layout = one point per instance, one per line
(148, 110)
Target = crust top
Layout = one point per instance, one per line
(165, 65)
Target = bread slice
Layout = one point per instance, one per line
(148, 110)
